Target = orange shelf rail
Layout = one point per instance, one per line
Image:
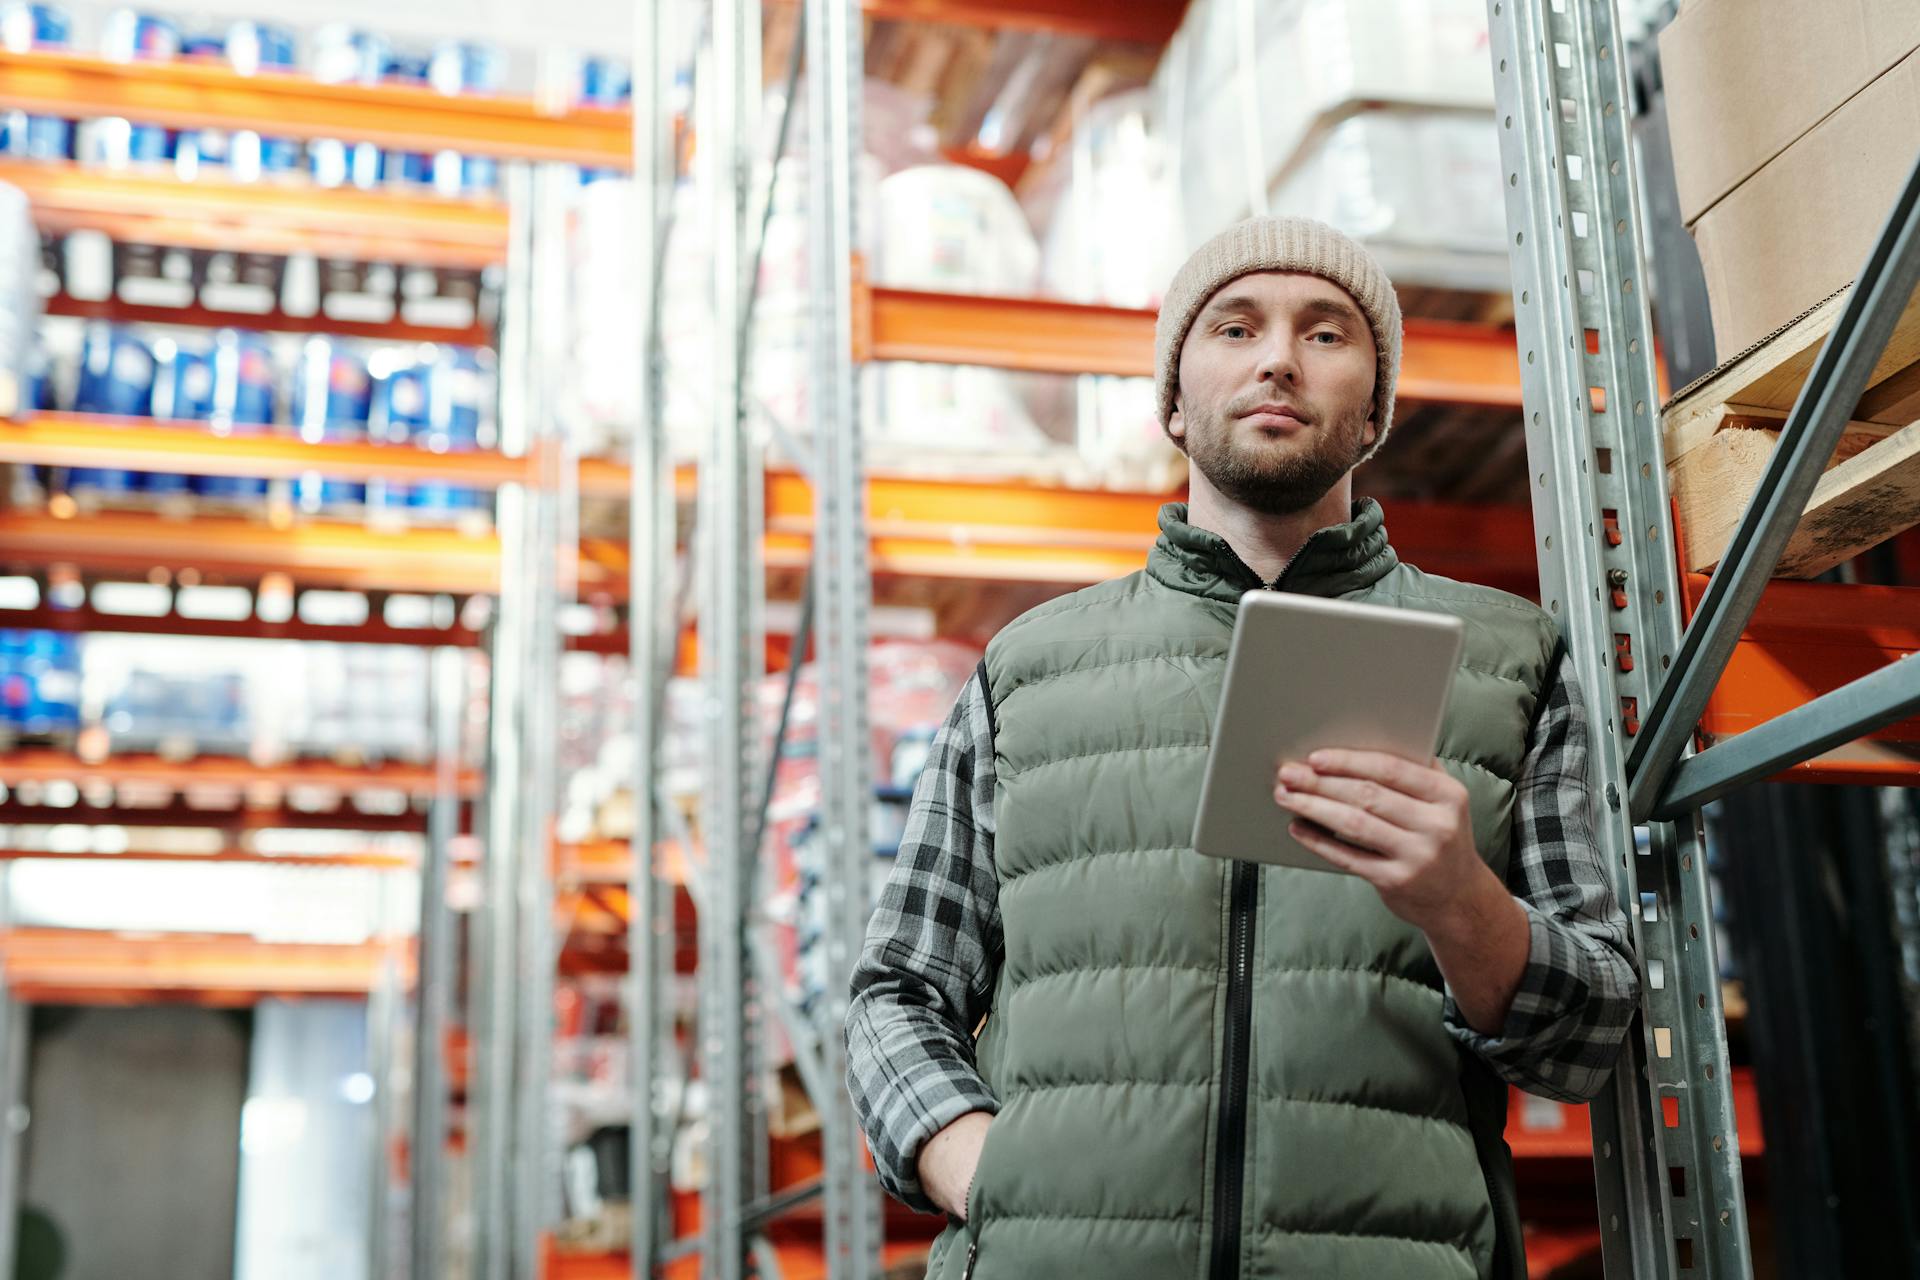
(77, 966)
(48, 765)
(1541, 1129)
(1810, 638)
(1442, 362)
(398, 329)
(154, 207)
(156, 444)
(187, 95)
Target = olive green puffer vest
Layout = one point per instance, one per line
(1210, 1069)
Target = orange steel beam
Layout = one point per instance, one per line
(1537, 1133)
(1136, 21)
(156, 444)
(209, 96)
(87, 619)
(197, 316)
(1810, 638)
(47, 765)
(102, 967)
(312, 553)
(271, 218)
(1442, 362)
(369, 861)
(179, 812)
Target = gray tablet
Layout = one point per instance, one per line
(1304, 673)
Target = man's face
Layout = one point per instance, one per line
(1275, 399)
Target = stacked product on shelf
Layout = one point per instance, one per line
(23, 29)
(1413, 80)
(1105, 204)
(39, 687)
(265, 700)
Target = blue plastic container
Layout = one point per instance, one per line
(39, 682)
(346, 55)
(251, 48)
(183, 391)
(241, 404)
(454, 386)
(23, 28)
(134, 36)
(332, 396)
(116, 377)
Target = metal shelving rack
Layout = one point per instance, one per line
(1667, 1149)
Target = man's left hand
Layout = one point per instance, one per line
(1403, 827)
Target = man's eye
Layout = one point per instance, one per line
(1328, 334)
(1236, 331)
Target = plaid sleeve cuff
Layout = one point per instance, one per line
(1572, 1009)
(939, 1099)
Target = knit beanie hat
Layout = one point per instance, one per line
(1280, 244)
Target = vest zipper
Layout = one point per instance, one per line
(1230, 1148)
(1230, 1152)
(973, 1251)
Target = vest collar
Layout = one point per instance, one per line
(1335, 561)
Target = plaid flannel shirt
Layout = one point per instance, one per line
(933, 949)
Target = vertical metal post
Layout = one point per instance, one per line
(1666, 1154)
(651, 636)
(498, 933)
(383, 1016)
(731, 663)
(552, 549)
(16, 1030)
(834, 64)
(433, 983)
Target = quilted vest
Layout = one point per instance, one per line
(1206, 1068)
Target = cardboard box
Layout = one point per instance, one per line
(1746, 78)
(1800, 228)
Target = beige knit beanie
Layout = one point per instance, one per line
(1280, 244)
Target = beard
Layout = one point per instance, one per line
(1280, 477)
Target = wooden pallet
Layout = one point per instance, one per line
(1721, 432)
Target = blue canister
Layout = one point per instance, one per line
(182, 392)
(116, 377)
(251, 48)
(400, 412)
(132, 36)
(343, 54)
(604, 82)
(332, 396)
(23, 28)
(455, 388)
(39, 682)
(241, 404)
(406, 167)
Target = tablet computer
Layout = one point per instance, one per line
(1304, 673)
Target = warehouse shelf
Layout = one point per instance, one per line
(43, 764)
(1442, 362)
(182, 811)
(1541, 1129)
(356, 861)
(198, 95)
(86, 620)
(313, 553)
(156, 444)
(277, 218)
(398, 329)
(76, 966)
(1806, 639)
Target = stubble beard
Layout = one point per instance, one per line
(1275, 481)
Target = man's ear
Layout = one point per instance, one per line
(1373, 428)
(1177, 425)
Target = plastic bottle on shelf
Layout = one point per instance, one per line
(244, 155)
(603, 82)
(331, 400)
(459, 67)
(115, 142)
(344, 54)
(456, 387)
(241, 404)
(398, 413)
(24, 28)
(116, 377)
(182, 392)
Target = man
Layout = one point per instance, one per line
(1203, 1068)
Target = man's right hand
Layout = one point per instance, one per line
(948, 1160)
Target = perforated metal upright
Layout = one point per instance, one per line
(844, 590)
(1666, 1153)
(732, 661)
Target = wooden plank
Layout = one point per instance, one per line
(1859, 503)
(1770, 375)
